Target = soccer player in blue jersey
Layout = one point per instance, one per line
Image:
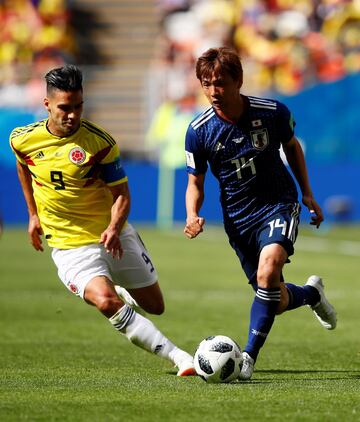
(240, 137)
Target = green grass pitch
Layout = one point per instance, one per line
(60, 360)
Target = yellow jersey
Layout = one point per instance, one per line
(70, 176)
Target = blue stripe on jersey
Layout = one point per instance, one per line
(112, 172)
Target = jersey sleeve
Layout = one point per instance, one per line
(196, 162)
(286, 123)
(112, 170)
(13, 140)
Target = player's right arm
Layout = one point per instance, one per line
(34, 229)
(194, 199)
(196, 164)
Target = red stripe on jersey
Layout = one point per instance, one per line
(23, 156)
(95, 159)
(89, 182)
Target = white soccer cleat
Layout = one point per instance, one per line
(126, 297)
(247, 368)
(185, 364)
(323, 310)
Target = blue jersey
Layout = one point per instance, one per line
(245, 158)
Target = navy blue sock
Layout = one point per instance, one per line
(262, 316)
(301, 295)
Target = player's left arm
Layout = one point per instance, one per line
(114, 176)
(119, 214)
(295, 157)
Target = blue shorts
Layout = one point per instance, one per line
(281, 227)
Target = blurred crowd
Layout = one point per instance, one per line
(285, 45)
(35, 35)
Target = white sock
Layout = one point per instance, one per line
(143, 333)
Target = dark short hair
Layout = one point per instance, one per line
(66, 78)
(218, 61)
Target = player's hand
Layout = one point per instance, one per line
(315, 211)
(111, 241)
(194, 226)
(35, 232)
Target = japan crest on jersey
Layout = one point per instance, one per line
(260, 138)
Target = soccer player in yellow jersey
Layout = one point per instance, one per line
(77, 196)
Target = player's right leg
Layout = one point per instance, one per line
(139, 330)
(136, 272)
(266, 301)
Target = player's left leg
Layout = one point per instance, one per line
(144, 299)
(294, 296)
(126, 297)
(313, 295)
(150, 298)
(322, 309)
(136, 273)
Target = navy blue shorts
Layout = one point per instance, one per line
(280, 227)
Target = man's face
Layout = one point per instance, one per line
(65, 109)
(221, 90)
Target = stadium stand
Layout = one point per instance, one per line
(137, 54)
(124, 33)
(286, 47)
(35, 35)
(111, 40)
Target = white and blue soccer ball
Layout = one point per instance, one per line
(218, 359)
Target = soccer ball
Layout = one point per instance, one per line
(218, 359)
